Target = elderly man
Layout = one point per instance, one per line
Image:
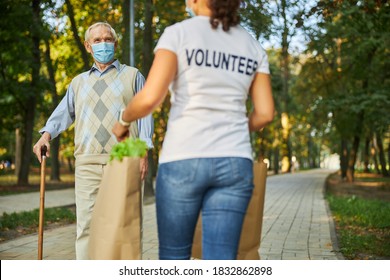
(94, 102)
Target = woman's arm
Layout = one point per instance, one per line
(261, 94)
(161, 74)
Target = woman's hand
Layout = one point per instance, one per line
(121, 132)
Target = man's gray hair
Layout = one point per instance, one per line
(113, 33)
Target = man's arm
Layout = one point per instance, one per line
(146, 124)
(61, 118)
(145, 127)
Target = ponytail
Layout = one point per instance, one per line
(224, 12)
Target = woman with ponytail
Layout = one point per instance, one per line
(210, 65)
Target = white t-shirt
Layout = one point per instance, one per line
(208, 115)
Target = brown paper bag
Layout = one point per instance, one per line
(115, 232)
(251, 229)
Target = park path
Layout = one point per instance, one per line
(297, 224)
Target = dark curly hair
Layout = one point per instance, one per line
(224, 12)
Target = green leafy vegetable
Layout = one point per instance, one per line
(128, 148)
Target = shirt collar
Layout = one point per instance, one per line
(114, 64)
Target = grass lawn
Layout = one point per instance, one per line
(17, 224)
(363, 227)
(8, 182)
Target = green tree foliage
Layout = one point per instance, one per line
(347, 74)
(15, 74)
(333, 95)
(256, 18)
(20, 66)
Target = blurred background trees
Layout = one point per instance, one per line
(328, 59)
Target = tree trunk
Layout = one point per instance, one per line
(313, 159)
(344, 158)
(18, 150)
(31, 99)
(366, 155)
(146, 64)
(285, 62)
(388, 153)
(126, 33)
(148, 38)
(374, 153)
(309, 150)
(70, 165)
(355, 145)
(276, 160)
(382, 158)
(352, 159)
(55, 143)
(27, 143)
(79, 43)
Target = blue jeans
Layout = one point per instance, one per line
(219, 187)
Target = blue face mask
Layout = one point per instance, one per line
(189, 10)
(103, 52)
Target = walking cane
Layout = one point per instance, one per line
(42, 202)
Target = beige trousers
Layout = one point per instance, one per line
(87, 181)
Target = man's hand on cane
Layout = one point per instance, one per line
(43, 141)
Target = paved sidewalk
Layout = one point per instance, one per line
(296, 224)
(30, 201)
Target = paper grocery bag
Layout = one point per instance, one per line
(197, 242)
(251, 229)
(115, 232)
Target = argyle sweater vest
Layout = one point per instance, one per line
(98, 101)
